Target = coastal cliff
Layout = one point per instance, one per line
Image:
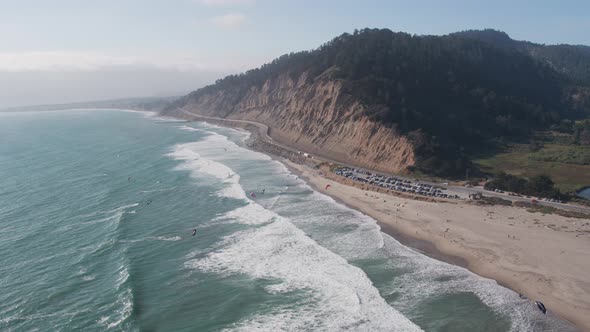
(316, 116)
(396, 102)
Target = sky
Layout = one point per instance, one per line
(60, 51)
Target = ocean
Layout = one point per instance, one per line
(96, 221)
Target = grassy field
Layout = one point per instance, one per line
(569, 154)
(567, 165)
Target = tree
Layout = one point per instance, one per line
(540, 185)
(535, 146)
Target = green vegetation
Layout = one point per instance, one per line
(551, 210)
(451, 95)
(536, 208)
(571, 60)
(568, 177)
(567, 165)
(538, 185)
(486, 200)
(577, 155)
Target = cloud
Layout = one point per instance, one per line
(59, 60)
(65, 60)
(55, 87)
(62, 76)
(229, 21)
(224, 2)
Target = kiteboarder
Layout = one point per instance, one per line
(194, 231)
(541, 307)
(253, 194)
(263, 191)
(149, 202)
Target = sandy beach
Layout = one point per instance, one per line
(542, 256)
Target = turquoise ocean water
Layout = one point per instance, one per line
(96, 214)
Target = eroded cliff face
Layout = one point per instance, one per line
(313, 116)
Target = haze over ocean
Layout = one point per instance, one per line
(96, 218)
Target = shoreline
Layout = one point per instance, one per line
(498, 269)
(468, 247)
(423, 246)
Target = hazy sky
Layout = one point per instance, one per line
(54, 51)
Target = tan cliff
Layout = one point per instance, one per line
(316, 116)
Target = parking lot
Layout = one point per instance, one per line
(393, 183)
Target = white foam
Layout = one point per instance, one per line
(214, 142)
(146, 113)
(92, 214)
(153, 238)
(351, 234)
(163, 238)
(422, 281)
(123, 276)
(117, 216)
(121, 208)
(125, 300)
(100, 246)
(187, 128)
(251, 214)
(198, 166)
(157, 190)
(192, 155)
(88, 278)
(338, 295)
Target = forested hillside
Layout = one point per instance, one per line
(571, 60)
(449, 95)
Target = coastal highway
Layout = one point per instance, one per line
(263, 130)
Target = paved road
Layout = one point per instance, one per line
(459, 190)
(263, 129)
